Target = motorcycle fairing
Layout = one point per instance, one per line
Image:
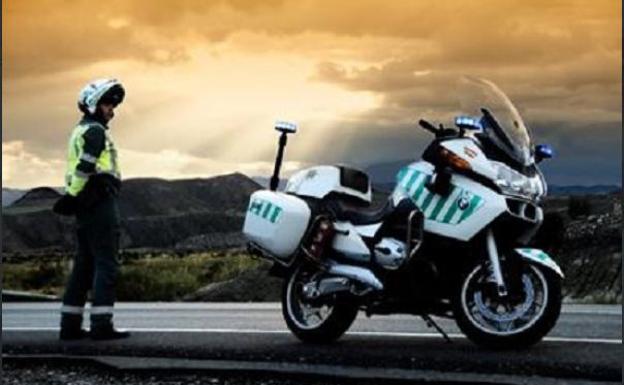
(461, 214)
(468, 150)
(454, 208)
(540, 257)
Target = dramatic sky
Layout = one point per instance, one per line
(205, 80)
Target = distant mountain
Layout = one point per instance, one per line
(155, 213)
(10, 195)
(38, 197)
(583, 190)
(151, 196)
(265, 181)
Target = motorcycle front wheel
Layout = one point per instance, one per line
(314, 322)
(518, 320)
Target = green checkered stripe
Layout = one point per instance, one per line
(438, 208)
(265, 209)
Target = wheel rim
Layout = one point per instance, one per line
(494, 316)
(303, 314)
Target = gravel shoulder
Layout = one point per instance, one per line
(51, 373)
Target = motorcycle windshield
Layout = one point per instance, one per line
(501, 122)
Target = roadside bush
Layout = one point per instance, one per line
(168, 278)
(45, 277)
(148, 282)
(151, 278)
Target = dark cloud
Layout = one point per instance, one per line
(587, 154)
(581, 120)
(66, 34)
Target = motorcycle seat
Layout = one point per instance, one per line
(361, 215)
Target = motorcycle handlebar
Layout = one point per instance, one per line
(428, 126)
(441, 131)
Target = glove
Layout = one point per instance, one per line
(66, 205)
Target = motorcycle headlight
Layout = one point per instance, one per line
(512, 182)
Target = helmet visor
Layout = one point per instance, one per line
(115, 95)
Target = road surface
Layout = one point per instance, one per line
(586, 343)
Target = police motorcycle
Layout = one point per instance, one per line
(451, 241)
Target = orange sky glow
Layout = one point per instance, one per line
(205, 80)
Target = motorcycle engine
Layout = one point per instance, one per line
(390, 253)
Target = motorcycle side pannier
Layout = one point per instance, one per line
(276, 222)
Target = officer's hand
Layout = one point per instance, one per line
(66, 205)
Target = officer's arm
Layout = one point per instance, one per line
(94, 141)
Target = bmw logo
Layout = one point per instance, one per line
(464, 201)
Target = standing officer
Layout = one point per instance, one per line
(91, 188)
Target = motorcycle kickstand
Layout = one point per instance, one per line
(431, 323)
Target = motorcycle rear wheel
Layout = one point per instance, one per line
(310, 323)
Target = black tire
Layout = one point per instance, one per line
(342, 315)
(522, 339)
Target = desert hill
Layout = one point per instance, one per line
(156, 213)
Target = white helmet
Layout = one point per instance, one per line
(100, 90)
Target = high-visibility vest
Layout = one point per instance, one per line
(105, 163)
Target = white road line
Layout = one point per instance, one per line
(259, 306)
(261, 331)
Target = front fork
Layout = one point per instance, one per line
(495, 265)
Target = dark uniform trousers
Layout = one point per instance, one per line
(95, 267)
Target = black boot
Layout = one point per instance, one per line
(107, 332)
(71, 327)
(102, 327)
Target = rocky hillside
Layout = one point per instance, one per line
(590, 251)
(156, 213)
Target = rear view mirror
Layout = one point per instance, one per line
(286, 127)
(543, 151)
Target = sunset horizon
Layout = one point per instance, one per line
(205, 81)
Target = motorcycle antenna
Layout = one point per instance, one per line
(285, 128)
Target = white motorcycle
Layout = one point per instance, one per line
(450, 241)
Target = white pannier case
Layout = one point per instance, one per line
(276, 222)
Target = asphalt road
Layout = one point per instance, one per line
(585, 344)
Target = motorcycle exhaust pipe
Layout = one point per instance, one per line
(356, 273)
(326, 286)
